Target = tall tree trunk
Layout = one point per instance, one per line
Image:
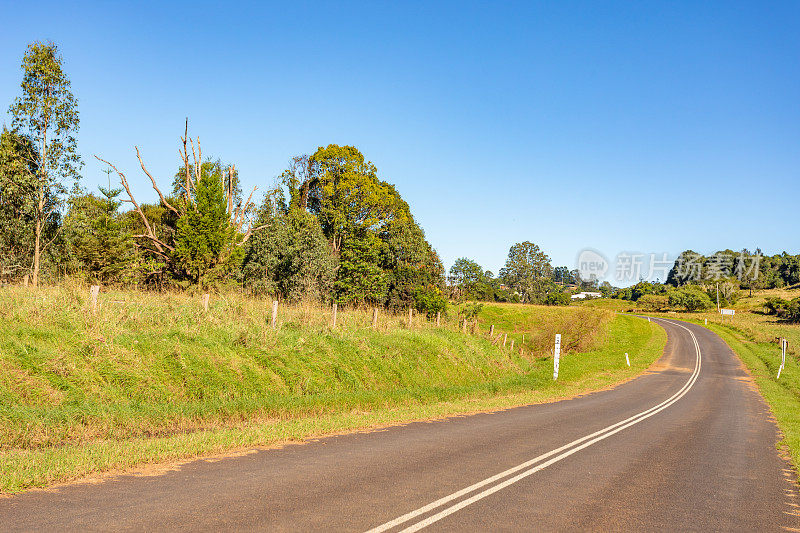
(37, 253)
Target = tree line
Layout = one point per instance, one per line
(528, 276)
(697, 282)
(329, 229)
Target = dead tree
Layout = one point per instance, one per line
(238, 211)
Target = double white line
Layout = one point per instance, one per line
(538, 463)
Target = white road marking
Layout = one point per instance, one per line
(564, 451)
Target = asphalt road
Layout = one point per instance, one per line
(688, 446)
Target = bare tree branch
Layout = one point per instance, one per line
(150, 233)
(161, 196)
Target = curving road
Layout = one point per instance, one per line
(688, 446)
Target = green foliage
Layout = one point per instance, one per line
(750, 271)
(786, 309)
(528, 272)
(205, 241)
(410, 262)
(382, 252)
(557, 298)
(360, 279)
(690, 298)
(101, 244)
(289, 256)
(347, 195)
(17, 209)
(653, 302)
(466, 275)
(470, 311)
(430, 301)
(46, 113)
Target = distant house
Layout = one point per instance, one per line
(584, 295)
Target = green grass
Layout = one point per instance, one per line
(783, 395)
(152, 378)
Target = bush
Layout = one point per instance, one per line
(788, 309)
(430, 301)
(557, 298)
(470, 311)
(653, 302)
(690, 298)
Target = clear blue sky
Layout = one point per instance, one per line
(642, 126)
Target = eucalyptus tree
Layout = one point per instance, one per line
(528, 271)
(47, 114)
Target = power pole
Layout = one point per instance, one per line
(718, 297)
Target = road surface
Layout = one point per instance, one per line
(687, 446)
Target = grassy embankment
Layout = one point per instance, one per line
(752, 335)
(152, 378)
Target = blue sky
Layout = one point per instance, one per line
(625, 127)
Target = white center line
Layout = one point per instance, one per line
(560, 453)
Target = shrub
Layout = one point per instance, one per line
(653, 302)
(690, 298)
(557, 298)
(430, 301)
(788, 309)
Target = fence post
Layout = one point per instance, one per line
(335, 312)
(410, 315)
(464, 327)
(474, 326)
(374, 317)
(204, 301)
(438, 318)
(25, 281)
(94, 292)
(491, 331)
(512, 345)
(523, 338)
(274, 321)
(505, 338)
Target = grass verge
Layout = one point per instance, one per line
(762, 359)
(82, 394)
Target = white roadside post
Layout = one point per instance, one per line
(784, 343)
(627, 360)
(556, 355)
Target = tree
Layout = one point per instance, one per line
(688, 267)
(290, 255)
(17, 213)
(606, 289)
(98, 238)
(415, 274)
(360, 279)
(562, 275)
(526, 269)
(216, 216)
(465, 276)
(690, 298)
(205, 243)
(557, 298)
(345, 193)
(382, 252)
(47, 114)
